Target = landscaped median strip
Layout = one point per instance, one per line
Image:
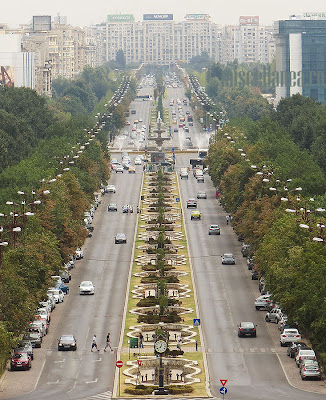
(161, 299)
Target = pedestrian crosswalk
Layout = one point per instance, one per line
(100, 396)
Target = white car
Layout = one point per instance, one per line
(86, 287)
(79, 254)
(290, 335)
(111, 189)
(57, 294)
(137, 161)
(119, 168)
(304, 354)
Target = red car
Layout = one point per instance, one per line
(20, 361)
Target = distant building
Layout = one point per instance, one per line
(301, 56)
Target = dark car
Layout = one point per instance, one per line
(254, 275)
(247, 329)
(292, 350)
(25, 346)
(120, 238)
(20, 360)
(67, 342)
(112, 207)
(64, 288)
(127, 209)
(34, 338)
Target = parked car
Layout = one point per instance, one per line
(127, 209)
(120, 238)
(289, 335)
(192, 203)
(110, 189)
(79, 254)
(310, 369)
(293, 349)
(214, 230)
(65, 276)
(247, 329)
(112, 207)
(86, 287)
(250, 263)
(228, 258)
(26, 346)
(57, 294)
(245, 249)
(195, 215)
(262, 302)
(20, 360)
(67, 342)
(201, 195)
(304, 354)
(63, 287)
(274, 315)
(254, 275)
(34, 338)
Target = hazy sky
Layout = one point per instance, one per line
(87, 12)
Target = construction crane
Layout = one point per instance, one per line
(5, 79)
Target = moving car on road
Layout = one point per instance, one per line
(191, 203)
(110, 189)
(112, 207)
(120, 238)
(127, 209)
(228, 258)
(214, 230)
(67, 342)
(195, 215)
(247, 329)
(86, 287)
(201, 195)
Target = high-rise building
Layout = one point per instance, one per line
(301, 56)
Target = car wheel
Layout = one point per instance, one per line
(115, 242)
(302, 377)
(254, 335)
(267, 319)
(257, 308)
(209, 233)
(282, 344)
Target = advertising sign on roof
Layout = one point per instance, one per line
(120, 18)
(314, 15)
(204, 17)
(249, 20)
(158, 17)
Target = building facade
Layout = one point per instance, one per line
(301, 57)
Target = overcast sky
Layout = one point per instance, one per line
(87, 12)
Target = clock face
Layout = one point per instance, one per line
(160, 346)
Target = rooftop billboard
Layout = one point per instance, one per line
(120, 18)
(197, 17)
(249, 20)
(158, 17)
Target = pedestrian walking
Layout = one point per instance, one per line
(141, 338)
(227, 219)
(179, 341)
(108, 342)
(94, 344)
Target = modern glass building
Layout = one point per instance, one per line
(301, 58)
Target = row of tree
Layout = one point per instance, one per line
(57, 228)
(292, 263)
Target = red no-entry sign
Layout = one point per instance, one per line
(139, 363)
(119, 364)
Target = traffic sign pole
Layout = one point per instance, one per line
(119, 364)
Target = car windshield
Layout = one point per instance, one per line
(67, 337)
(228, 255)
(247, 325)
(86, 283)
(214, 226)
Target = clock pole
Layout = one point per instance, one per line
(160, 348)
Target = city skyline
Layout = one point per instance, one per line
(80, 14)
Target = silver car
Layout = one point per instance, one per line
(228, 258)
(201, 195)
(214, 230)
(310, 369)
